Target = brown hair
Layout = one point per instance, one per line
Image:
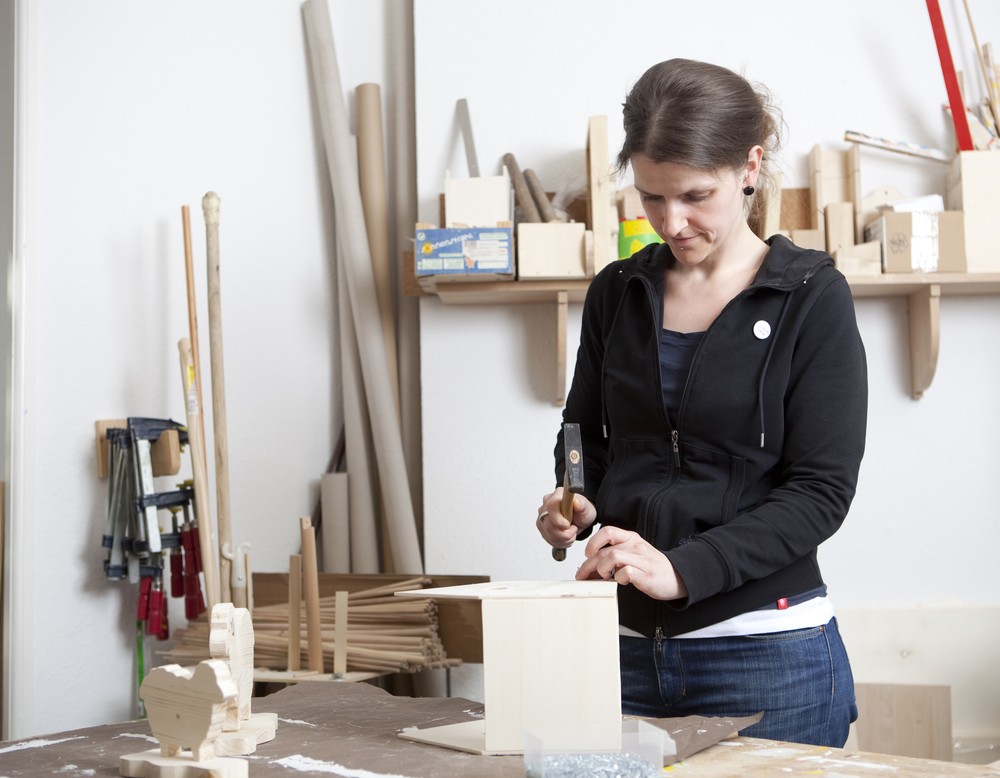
(703, 116)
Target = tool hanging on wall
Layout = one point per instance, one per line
(134, 544)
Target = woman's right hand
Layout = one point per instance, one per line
(560, 531)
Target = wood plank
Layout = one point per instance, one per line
(905, 720)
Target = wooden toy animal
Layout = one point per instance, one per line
(231, 641)
(187, 707)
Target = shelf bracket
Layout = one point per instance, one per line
(924, 307)
(562, 305)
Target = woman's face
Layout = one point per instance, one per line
(698, 213)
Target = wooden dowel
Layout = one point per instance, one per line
(294, 603)
(340, 636)
(529, 211)
(210, 205)
(196, 441)
(310, 580)
(541, 198)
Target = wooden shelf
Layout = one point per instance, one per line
(902, 284)
(490, 292)
(922, 290)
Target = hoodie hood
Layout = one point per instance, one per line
(785, 266)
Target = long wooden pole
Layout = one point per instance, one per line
(210, 205)
(372, 183)
(192, 307)
(192, 393)
(958, 116)
(386, 433)
(196, 441)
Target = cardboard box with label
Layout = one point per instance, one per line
(920, 241)
(475, 253)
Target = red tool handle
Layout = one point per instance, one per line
(195, 547)
(962, 132)
(164, 621)
(142, 607)
(176, 573)
(154, 619)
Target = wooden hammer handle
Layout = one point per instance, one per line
(566, 509)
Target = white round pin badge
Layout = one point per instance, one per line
(761, 330)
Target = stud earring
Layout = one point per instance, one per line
(748, 190)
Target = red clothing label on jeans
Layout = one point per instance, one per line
(782, 603)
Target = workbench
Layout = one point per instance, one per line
(350, 729)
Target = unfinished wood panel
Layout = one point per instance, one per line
(795, 209)
(904, 720)
(809, 239)
(829, 180)
(839, 221)
(551, 250)
(525, 625)
(599, 200)
(861, 259)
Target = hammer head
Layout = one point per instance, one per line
(573, 447)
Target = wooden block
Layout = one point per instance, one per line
(100, 432)
(151, 764)
(905, 720)
(973, 187)
(861, 259)
(551, 250)
(839, 220)
(629, 204)
(871, 204)
(795, 213)
(599, 192)
(478, 202)
(829, 180)
(809, 239)
(854, 185)
(165, 453)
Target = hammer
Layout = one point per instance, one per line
(573, 478)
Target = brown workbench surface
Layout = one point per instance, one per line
(351, 729)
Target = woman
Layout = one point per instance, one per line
(721, 391)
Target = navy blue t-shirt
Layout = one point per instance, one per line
(676, 352)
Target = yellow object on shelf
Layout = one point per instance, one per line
(633, 234)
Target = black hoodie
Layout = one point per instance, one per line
(761, 464)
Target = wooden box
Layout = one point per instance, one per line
(920, 241)
(550, 657)
(548, 250)
(973, 187)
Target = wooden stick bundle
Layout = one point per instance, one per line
(382, 633)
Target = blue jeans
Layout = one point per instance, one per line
(800, 679)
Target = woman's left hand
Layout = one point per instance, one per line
(621, 555)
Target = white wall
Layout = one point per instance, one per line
(924, 528)
(138, 109)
